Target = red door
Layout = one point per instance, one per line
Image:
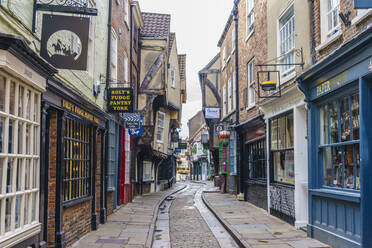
(122, 166)
(126, 169)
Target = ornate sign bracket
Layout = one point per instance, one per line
(271, 86)
(62, 6)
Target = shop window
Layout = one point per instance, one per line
(161, 124)
(339, 142)
(257, 159)
(287, 41)
(77, 169)
(19, 159)
(250, 17)
(147, 171)
(281, 148)
(113, 143)
(127, 157)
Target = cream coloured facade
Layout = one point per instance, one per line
(289, 24)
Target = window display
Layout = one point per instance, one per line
(281, 148)
(340, 143)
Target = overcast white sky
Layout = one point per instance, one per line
(198, 25)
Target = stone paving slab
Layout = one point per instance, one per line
(131, 226)
(254, 227)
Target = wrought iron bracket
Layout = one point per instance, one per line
(61, 6)
(298, 52)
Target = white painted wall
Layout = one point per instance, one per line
(301, 166)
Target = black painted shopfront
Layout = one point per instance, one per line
(73, 182)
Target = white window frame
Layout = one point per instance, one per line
(114, 56)
(233, 35)
(361, 15)
(229, 95)
(286, 42)
(249, 18)
(224, 100)
(126, 69)
(160, 127)
(126, 12)
(251, 81)
(328, 34)
(23, 191)
(173, 78)
(234, 91)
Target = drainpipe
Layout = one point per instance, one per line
(236, 18)
(108, 45)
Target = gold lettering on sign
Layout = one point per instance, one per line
(331, 84)
(73, 108)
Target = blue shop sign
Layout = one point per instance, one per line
(345, 77)
(362, 4)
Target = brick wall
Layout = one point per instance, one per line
(348, 33)
(52, 178)
(256, 194)
(110, 202)
(118, 16)
(77, 221)
(255, 47)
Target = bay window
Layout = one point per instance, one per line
(339, 142)
(282, 148)
(19, 156)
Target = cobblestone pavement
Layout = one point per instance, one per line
(254, 226)
(131, 226)
(187, 227)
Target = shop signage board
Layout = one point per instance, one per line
(362, 4)
(64, 41)
(136, 132)
(182, 146)
(120, 100)
(132, 120)
(79, 111)
(218, 128)
(212, 113)
(147, 136)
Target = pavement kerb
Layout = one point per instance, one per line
(150, 237)
(198, 182)
(236, 236)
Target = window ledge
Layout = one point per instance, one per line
(360, 18)
(77, 201)
(336, 194)
(249, 35)
(282, 184)
(250, 107)
(289, 77)
(329, 41)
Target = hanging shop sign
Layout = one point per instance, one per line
(212, 113)
(175, 137)
(79, 111)
(223, 163)
(137, 132)
(362, 4)
(147, 135)
(182, 146)
(218, 128)
(64, 41)
(204, 138)
(132, 120)
(120, 100)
